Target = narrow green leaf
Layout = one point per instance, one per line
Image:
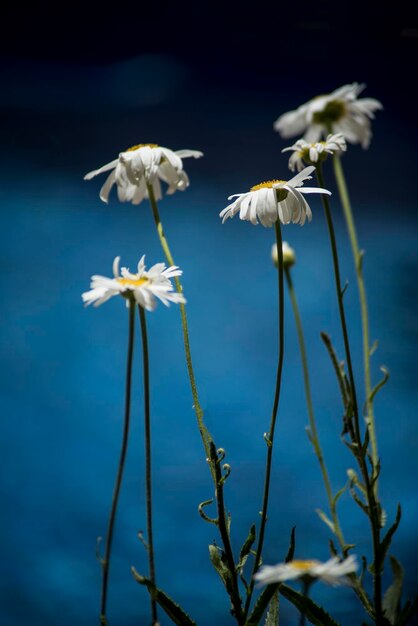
(373, 347)
(408, 611)
(315, 614)
(334, 360)
(387, 539)
(378, 387)
(272, 618)
(261, 605)
(216, 558)
(325, 519)
(357, 500)
(291, 552)
(339, 494)
(246, 547)
(392, 597)
(171, 608)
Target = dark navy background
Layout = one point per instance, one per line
(78, 86)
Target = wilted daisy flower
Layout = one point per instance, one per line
(289, 256)
(141, 165)
(309, 153)
(334, 572)
(143, 287)
(275, 199)
(339, 111)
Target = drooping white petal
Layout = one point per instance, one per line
(105, 190)
(104, 168)
(184, 154)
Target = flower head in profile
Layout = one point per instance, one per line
(144, 287)
(274, 200)
(339, 112)
(333, 572)
(304, 153)
(289, 256)
(142, 165)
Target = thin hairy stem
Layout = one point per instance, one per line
(224, 532)
(204, 433)
(270, 435)
(374, 509)
(148, 477)
(358, 258)
(105, 562)
(340, 295)
(314, 437)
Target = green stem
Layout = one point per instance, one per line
(148, 481)
(358, 257)
(340, 295)
(224, 532)
(204, 433)
(306, 585)
(109, 536)
(314, 438)
(270, 435)
(374, 509)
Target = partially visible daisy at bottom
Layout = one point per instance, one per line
(144, 287)
(304, 153)
(333, 572)
(274, 200)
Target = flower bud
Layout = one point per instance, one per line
(289, 256)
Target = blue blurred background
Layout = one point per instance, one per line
(79, 86)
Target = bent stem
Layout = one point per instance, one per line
(269, 437)
(148, 482)
(105, 562)
(204, 433)
(358, 258)
(314, 438)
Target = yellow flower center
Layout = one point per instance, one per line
(267, 185)
(142, 145)
(302, 566)
(133, 282)
(332, 112)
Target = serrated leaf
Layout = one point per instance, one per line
(171, 608)
(291, 551)
(357, 500)
(315, 614)
(261, 605)
(392, 597)
(272, 618)
(387, 539)
(325, 519)
(246, 547)
(408, 611)
(215, 555)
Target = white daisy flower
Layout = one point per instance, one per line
(333, 572)
(339, 111)
(309, 153)
(142, 164)
(289, 256)
(143, 287)
(274, 199)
